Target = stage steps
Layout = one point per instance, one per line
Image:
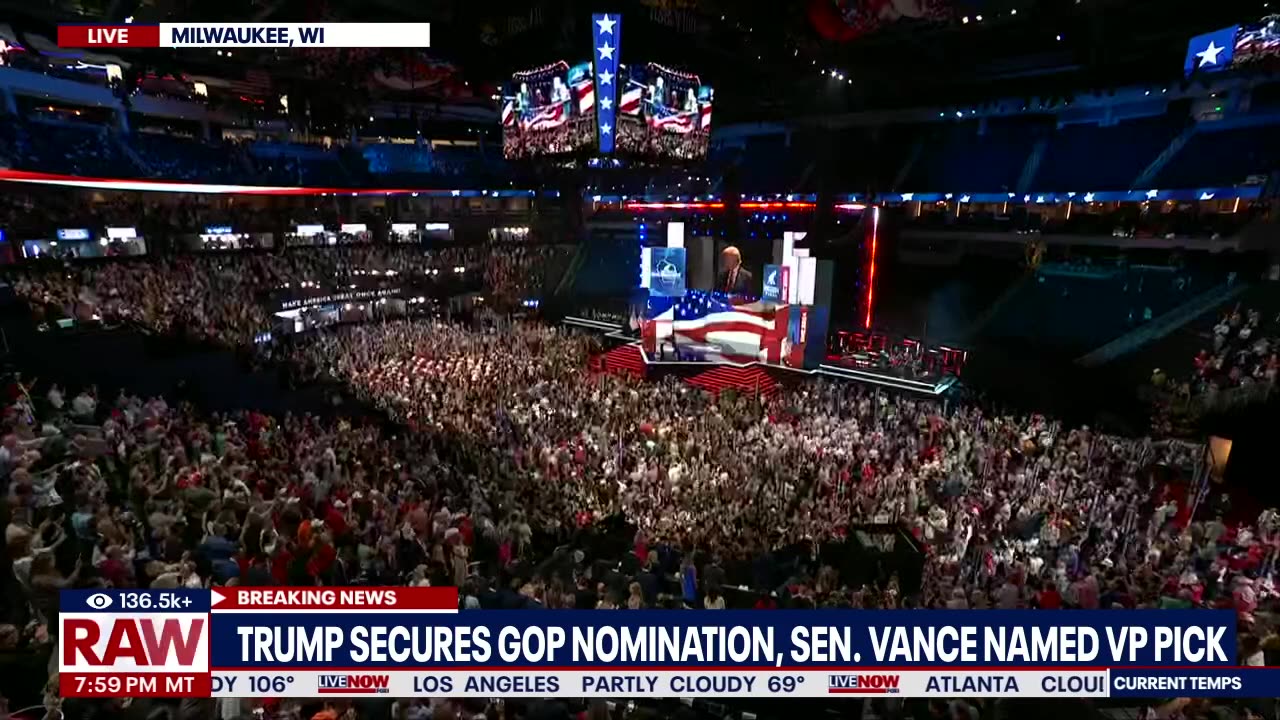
(624, 360)
(742, 379)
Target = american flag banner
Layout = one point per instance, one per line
(671, 120)
(256, 83)
(630, 103)
(585, 93)
(704, 117)
(545, 118)
(508, 114)
(714, 329)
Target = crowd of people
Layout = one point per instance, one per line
(1235, 368)
(998, 500)
(224, 297)
(497, 462)
(1245, 352)
(502, 447)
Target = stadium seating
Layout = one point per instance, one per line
(768, 164)
(1076, 309)
(178, 158)
(974, 155)
(1081, 158)
(1223, 157)
(67, 148)
(960, 158)
(872, 157)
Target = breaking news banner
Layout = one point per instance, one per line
(412, 642)
(236, 35)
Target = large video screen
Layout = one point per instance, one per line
(1257, 41)
(548, 111)
(663, 113)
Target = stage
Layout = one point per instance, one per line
(630, 355)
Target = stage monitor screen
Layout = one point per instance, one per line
(663, 114)
(548, 111)
(663, 271)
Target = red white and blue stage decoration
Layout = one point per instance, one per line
(606, 47)
(712, 327)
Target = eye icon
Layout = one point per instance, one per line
(99, 601)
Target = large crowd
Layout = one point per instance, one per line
(500, 464)
(501, 447)
(223, 297)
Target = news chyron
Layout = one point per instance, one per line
(410, 642)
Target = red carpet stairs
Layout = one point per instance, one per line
(624, 360)
(745, 380)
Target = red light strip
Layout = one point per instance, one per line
(719, 206)
(871, 272)
(675, 206)
(39, 178)
(777, 205)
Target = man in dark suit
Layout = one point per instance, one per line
(733, 279)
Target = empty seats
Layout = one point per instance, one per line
(1084, 158)
(1222, 157)
(958, 158)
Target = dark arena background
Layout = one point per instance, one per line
(690, 305)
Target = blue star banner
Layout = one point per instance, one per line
(606, 43)
(1211, 52)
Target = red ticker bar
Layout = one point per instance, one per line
(118, 685)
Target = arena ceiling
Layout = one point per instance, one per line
(768, 60)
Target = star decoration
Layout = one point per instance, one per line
(606, 25)
(1151, 194)
(1206, 196)
(907, 196)
(606, 103)
(606, 77)
(1209, 56)
(1088, 197)
(605, 128)
(606, 52)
